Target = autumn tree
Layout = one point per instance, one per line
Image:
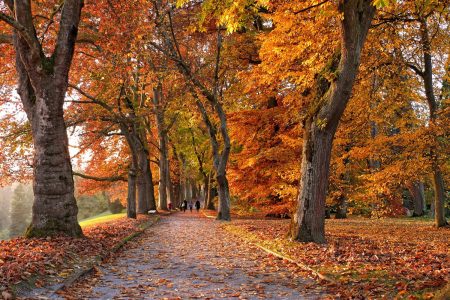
(116, 85)
(332, 92)
(42, 84)
(187, 64)
(427, 15)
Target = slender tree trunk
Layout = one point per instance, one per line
(308, 222)
(209, 197)
(163, 159)
(143, 201)
(148, 176)
(416, 191)
(131, 198)
(169, 186)
(187, 189)
(341, 211)
(439, 198)
(427, 76)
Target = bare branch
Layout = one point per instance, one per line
(108, 179)
(415, 69)
(311, 7)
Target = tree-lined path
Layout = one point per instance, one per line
(188, 256)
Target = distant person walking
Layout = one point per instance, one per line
(197, 205)
(184, 206)
(190, 205)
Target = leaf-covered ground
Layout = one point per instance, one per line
(188, 256)
(33, 260)
(401, 258)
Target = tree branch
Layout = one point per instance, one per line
(67, 35)
(415, 69)
(22, 30)
(108, 179)
(310, 7)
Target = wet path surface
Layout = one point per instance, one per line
(188, 256)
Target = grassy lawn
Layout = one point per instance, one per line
(101, 218)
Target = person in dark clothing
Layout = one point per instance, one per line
(190, 205)
(184, 205)
(197, 205)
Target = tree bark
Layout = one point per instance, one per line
(42, 88)
(131, 198)
(341, 210)
(418, 197)
(209, 197)
(164, 189)
(224, 206)
(142, 180)
(308, 222)
(148, 176)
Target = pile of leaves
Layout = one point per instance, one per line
(365, 258)
(35, 259)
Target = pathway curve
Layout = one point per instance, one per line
(188, 256)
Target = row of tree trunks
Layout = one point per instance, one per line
(220, 153)
(142, 175)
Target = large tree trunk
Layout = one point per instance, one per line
(309, 219)
(42, 87)
(308, 222)
(54, 208)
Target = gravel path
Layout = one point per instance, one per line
(188, 256)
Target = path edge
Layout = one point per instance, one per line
(97, 260)
(284, 257)
(100, 258)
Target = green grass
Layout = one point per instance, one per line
(101, 218)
